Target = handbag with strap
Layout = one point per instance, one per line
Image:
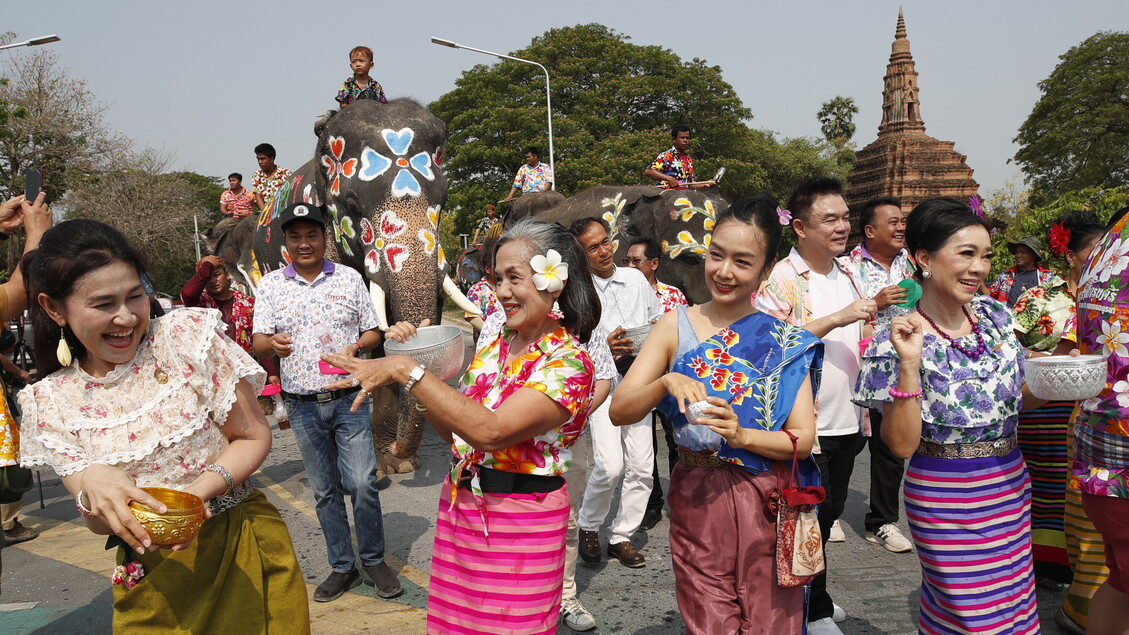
(799, 548)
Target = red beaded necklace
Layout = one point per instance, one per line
(974, 353)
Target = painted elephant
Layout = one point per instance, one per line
(681, 220)
(378, 170)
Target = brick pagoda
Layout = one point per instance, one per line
(904, 161)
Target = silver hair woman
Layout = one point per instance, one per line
(524, 401)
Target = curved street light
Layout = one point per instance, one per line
(35, 41)
(548, 99)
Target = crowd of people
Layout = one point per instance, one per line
(901, 345)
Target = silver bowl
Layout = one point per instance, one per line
(637, 335)
(695, 413)
(1065, 378)
(439, 348)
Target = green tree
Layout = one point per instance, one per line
(1077, 136)
(836, 120)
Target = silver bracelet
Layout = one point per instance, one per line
(222, 471)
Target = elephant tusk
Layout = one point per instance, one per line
(463, 302)
(376, 294)
(252, 288)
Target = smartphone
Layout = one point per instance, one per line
(33, 182)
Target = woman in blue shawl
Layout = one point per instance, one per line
(758, 375)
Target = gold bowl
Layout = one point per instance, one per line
(179, 524)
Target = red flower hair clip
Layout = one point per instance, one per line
(1059, 238)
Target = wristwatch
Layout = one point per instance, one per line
(414, 377)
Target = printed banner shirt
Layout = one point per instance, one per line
(324, 315)
(1101, 432)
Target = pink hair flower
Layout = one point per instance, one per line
(976, 205)
(783, 215)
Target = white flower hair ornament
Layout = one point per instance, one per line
(549, 273)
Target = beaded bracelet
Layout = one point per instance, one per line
(222, 471)
(86, 513)
(897, 394)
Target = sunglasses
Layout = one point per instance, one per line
(634, 262)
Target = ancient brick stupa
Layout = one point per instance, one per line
(904, 161)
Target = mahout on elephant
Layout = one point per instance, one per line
(378, 171)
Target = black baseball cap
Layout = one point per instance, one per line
(302, 211)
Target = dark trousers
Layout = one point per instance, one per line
(836, 461)
(886, 472)
(659, 419)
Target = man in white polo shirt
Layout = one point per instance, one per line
(310, 307)
(627, 300)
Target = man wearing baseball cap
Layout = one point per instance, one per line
(1026, 273)
(310, 307)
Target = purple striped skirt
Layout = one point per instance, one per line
(971, 523)
(507, 582)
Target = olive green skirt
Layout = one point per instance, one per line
(240, 575)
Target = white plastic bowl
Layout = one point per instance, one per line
(1065, 378)
(637, 335)
(439, 348)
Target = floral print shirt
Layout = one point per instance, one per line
(268, 186)
(1000, 288)
(669, 296)
(557, 366)
(158, 417)
(1101, 431)
(482, 295)
(351, 91)
(873, 277)
(238, 205)
(786, 294)
(534, 179)
(964, 400)
(1045, 315)
(674, 163)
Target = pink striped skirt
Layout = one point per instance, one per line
(971, 524)
(507, 582)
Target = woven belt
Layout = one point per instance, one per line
(980, 449)
(323, 397)
(698, 459)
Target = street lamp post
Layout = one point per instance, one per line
(548, 99)
(35, 41)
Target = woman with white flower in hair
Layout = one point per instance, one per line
(498, 560)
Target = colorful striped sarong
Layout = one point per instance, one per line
(1086, 551)
(1042, 439)
(971, 523)
(509, 582)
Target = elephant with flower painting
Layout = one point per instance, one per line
(378, 171)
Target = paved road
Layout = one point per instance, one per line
(59, 583)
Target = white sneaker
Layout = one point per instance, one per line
(890, 537)
(836, 533)
(575, 616)
(838, 615)
(825, 626)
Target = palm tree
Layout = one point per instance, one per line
(835, 120)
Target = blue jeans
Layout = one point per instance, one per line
(337, 451)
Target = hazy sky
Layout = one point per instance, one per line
(208, 80)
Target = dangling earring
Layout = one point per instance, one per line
(927, 274)
(63, 352)
(555, 312)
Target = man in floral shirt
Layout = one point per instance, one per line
(674, 169)
(1026, 274)
(269, 178)
(534, 176)
(882, 262)
(1101, 433)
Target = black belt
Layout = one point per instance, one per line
(499, 482)
(323, 397)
